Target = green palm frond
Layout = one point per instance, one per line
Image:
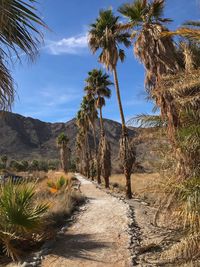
(105, 35)
(97, 87)
(62, 139)
(19, 26)
(141, 11)
(135, 11)
(7, 91)
(145, 120)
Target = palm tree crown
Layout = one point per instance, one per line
(141, 11)
(104, 34)
(62, 140)
(157, 52)
(97, 87)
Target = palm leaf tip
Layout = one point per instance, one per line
(144, 120)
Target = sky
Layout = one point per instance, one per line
(51, 88)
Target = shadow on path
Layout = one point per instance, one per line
(78, 246)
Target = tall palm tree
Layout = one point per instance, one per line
(98, 89)
(19, 34)
(82, 121)
(62, 142)
(157, 52)
(104, 35)
(171, 78)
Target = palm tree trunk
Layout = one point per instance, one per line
(99, 148)
(94, 138)
(124, 138)
(101, 121)
(119, 101)
(107, 184)
(64, 160)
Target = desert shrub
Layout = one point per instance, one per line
(20, 216)
(185, 201)
(62, 205)
(16, 166)
(53, 165)
(43, 166)
(25, 165)
(34, 166)
(2, 166)
(57, 185)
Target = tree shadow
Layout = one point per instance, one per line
(76, 246)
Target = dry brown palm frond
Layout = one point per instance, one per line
(184, 86)
(157, 53)
(185, 32)
(186, 250)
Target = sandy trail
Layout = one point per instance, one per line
(98, 238)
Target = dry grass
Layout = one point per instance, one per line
(61, 202)
(143, 184)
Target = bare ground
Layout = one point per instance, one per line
(99, 236)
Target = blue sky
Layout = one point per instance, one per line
(51, 89)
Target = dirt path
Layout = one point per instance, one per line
(98, 238)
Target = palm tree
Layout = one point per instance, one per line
(19, 34)
(97, 89)
(157, 52)
(62, 142)
(82, 121)
(171, 78)
(104, 35)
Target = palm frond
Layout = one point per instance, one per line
(145, 120)
(7, 91)
(19, 26)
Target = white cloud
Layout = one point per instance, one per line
(72, 45)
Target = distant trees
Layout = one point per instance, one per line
(4, 160)
(34, 165)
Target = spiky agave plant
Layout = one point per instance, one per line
(20, 215)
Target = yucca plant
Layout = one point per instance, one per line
(20, 216)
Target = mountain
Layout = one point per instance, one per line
(28, 138)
